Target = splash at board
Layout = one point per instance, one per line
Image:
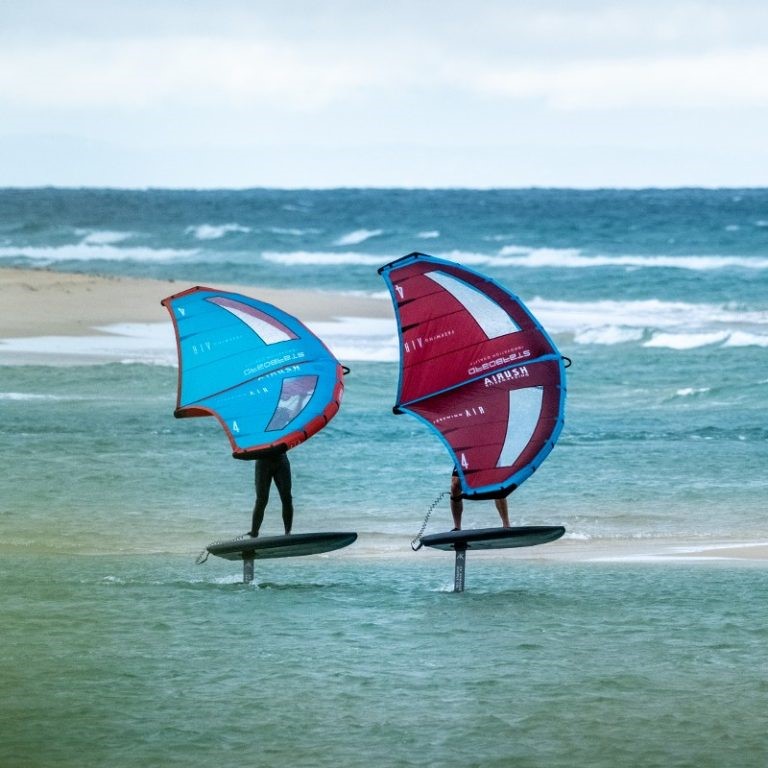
(268, 380)
(479, 370)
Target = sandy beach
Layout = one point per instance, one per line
(659, 551)
(38, 302)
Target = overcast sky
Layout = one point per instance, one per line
(415, 93)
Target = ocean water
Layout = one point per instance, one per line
(118, 649)
(147, 660)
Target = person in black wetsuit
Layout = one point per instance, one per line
(457, 504)
(268, 468)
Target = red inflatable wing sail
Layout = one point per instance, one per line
(476, 367)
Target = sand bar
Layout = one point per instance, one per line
(40, 302)
(655, 550)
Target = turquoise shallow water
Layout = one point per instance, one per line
(96, 463)
(149, 660)
(118, 650)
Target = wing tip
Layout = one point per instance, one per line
(413, 256)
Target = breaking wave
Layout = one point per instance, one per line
(527, 258)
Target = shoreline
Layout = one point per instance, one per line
(62, 311)
(45, 302)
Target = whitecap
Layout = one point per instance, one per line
(321, 258)
(293, 231)
(646, 314)
(103, 237)
(659, 323)
(429, 235)
(521, 256)
(572, 258)
(608, 335)
(214, 231)
(686, 340)
(472, 259)
(358, 236)
(744, 339)
(85, 252)
(24, 396)
(688, 391)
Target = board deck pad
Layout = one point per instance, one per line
(494, 538)
(293, 545)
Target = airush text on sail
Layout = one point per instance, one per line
(508, 375)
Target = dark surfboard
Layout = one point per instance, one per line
(295, 545)
(494, 538)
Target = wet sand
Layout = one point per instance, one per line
(38, 302)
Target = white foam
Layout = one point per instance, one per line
(428, 235)
(472, 259)
(131, 342)
(24, 396)
(215, 231)
(673, 324)
(648, 313)
(577, 536)
(294, 231)
(688, 391)
(514, 255)
(322, 258)
(686, 340)
(349, 338)
(85, 251)
(467, 258)
(358, 236)
(608, 335)
(678, 325)
(743, 339)
(521, 257)
(103, 237)
(361, 339)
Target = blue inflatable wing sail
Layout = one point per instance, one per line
(266, 377)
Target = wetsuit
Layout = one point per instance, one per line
(267, 469)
